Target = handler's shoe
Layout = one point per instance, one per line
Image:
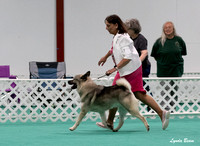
(101, 125)
(165, 119)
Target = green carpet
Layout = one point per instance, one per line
(133, 133)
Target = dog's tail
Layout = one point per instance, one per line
(123, 82)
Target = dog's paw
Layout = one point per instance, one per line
(71, 129)
(148, 128)
(115, 130)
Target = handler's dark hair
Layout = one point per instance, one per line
(115, 19)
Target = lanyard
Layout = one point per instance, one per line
(113, 57)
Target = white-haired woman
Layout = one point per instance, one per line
(168, 51)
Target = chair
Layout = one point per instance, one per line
(47, 70)
(5, 73)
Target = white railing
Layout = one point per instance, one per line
(44, 99)
(187, 74)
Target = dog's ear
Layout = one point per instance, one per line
(84, 77)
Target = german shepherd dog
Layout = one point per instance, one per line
(99, 98)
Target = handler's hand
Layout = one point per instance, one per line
(110, 71)
(102, 61)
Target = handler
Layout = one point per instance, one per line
(128, 65)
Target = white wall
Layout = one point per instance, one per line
(28, 30)
(86, 39)
(27, 33)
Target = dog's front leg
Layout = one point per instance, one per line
(103, 118)
(78, 121)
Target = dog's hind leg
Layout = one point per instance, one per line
(122, 113)
(131, 106)
(136, 113)
(142, 118)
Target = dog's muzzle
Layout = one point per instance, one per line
(74, 85)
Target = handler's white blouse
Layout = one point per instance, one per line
(123, 48)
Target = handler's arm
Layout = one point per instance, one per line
(121, 64)
(143, 55)
(103, 59)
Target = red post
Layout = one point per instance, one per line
(60, 30)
